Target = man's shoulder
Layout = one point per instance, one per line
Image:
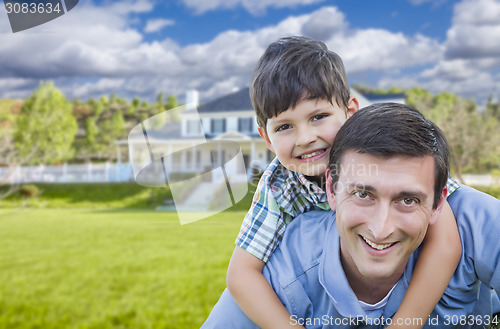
(467, 199)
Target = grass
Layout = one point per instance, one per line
(100, 196)
(90, 195)
(71, 268)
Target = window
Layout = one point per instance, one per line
(245, 125)
(193, 127)
(218, 126)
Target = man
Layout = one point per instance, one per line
(388, 169)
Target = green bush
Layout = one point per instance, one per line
(89, 195)
(29, 191)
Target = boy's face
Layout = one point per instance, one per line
(302, 136)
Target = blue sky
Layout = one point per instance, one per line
(141, 47)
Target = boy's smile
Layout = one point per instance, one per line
(302, 136)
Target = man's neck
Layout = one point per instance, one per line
(368, 290)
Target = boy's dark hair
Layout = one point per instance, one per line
(293, 69)
(386, 130)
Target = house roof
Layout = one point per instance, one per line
(234, 102)
(240, 101)
(379, 98)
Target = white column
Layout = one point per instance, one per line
(119, 155)
(252, 157)
(169, 160)
(193, 157)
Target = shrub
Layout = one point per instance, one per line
(29, 191)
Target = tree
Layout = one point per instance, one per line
(472, 137)
(419, 98)
(172, 107)
(492, 108)
(45, 128)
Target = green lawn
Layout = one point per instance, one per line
(74, 268)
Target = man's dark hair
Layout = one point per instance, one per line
(386, 130)
(293, 69)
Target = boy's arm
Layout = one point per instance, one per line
(254, 294)
(438, 259)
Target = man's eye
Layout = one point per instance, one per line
(319, 117)
(361, 194)
(409, 201)
(283, 127)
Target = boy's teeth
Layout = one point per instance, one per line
(310, 155)
(377, 246)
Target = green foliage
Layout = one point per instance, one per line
(90, 132)
(45, 127)
(492, 108)
(419, 98)
(93, 195)
(366, 89)
(173, 109)
(472, 136)
(29, 190)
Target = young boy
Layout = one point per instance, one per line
(301, 96)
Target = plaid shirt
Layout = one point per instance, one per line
(281, 196)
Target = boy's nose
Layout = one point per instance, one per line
(305, 137)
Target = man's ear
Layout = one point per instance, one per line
(352, 106)
(436, 212)
(263, 134)
(329, 190)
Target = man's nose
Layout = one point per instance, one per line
(382, 224)
(305, 137)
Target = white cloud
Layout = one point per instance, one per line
(102, 86)
(454, 70)
(379, 50)
(155, 25)
(475, 31)
(94, 51)
(254, 7)
(321, 24)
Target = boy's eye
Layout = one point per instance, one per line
(319, 117)
(283, 127)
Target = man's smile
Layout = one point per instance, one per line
(376, 245)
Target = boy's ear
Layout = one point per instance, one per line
(263, 134)
(329, 190)
(352, 106)
(436, 212)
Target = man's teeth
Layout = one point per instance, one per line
(310, 155)
(377, 246)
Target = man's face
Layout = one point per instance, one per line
(384, 207)
(302, 136)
